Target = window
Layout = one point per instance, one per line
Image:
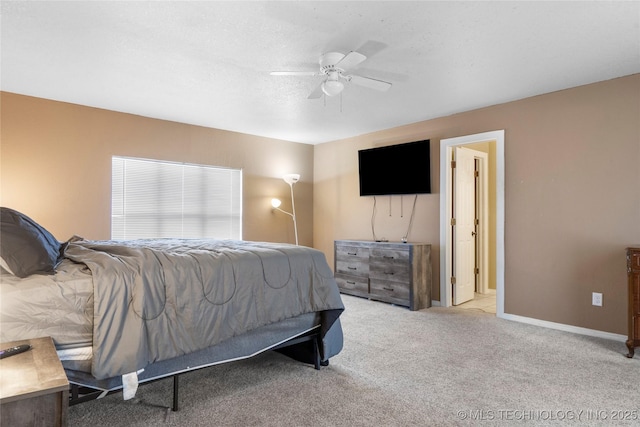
(154, 199)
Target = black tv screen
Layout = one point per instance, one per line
(395, 169)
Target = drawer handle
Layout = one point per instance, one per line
(389, 273)
(387, 289)
(352, 268)
(350, 282)
(352, 253)
(387, 257)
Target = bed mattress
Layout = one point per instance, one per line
(58, 305)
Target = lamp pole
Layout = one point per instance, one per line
(290, 179)
(293, 208)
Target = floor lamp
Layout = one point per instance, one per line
(290, 179)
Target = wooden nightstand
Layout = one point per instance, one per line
(34, 390)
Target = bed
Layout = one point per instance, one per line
(123, 313)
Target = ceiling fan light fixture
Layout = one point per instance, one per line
(332, 87)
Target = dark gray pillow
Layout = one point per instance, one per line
(26, 247)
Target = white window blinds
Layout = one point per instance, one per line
(153, 199)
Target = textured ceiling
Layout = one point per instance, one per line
(208, 63)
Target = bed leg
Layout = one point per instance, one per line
(74, 392)
(175, 393)
(316, 352)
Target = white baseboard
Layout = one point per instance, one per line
(566, 328)
(559, 326)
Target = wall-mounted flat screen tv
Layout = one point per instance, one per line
(395, 169)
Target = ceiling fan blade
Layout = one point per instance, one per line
(370, 83)
(294, 73)
(350, 60)
(317, 92)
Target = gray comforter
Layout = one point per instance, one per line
(158, 299)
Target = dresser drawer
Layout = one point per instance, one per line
(354, 253)
(353, 284)
(634, 294)
(634, 261)
(389, 256)
(396, 291)
(352, 268)
(393, 266)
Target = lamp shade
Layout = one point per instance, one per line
(291, 178)
(332, 87)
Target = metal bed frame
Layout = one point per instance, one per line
(81, 392)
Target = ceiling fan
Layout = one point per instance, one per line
(334, 67)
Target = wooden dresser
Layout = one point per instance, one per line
(398, 273)
(34, 390)
(633, 271)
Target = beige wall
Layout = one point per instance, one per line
(572, 198)
(55, 166)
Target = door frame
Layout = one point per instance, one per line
(446, 149)
(482, 205)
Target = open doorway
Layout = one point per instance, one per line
(469, 246)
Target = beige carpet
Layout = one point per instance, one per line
(401, 368)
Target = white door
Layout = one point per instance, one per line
(464, 229)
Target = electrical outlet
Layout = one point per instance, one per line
(596, 299)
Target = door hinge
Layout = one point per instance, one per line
(453, 221)
(453, 164)
(476, 174)
(453, 280)
(477, 221)
(477, 270)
